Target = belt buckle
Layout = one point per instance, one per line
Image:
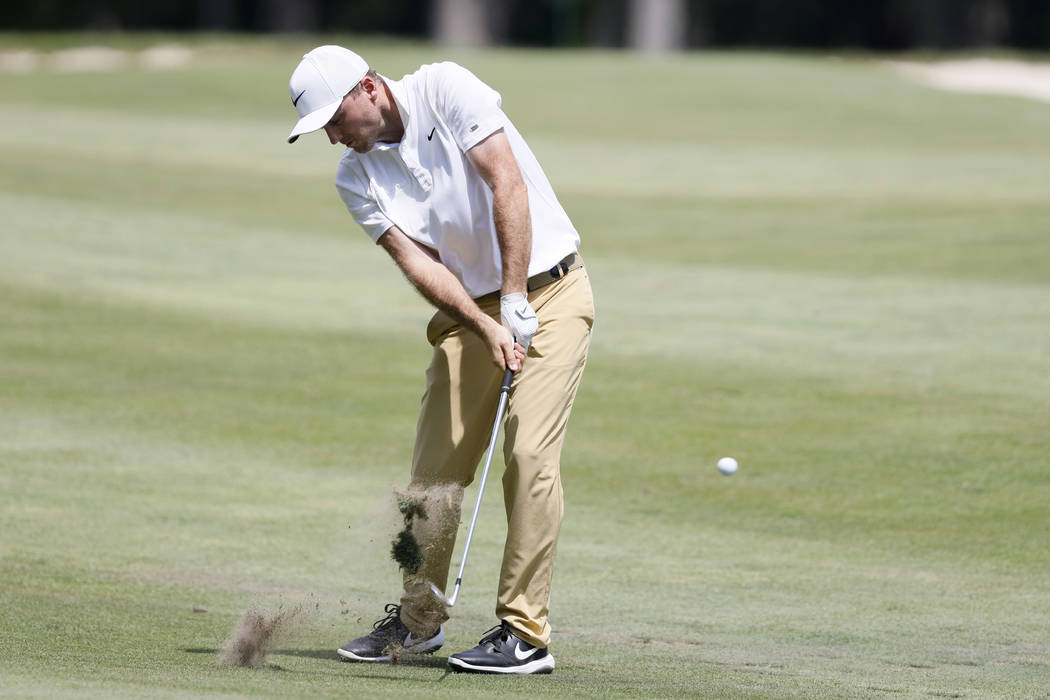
(559, 270)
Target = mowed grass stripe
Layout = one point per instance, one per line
(238, 146)
(202, 265)
(728, 171)
(875, 331)
(869, 330)
(207, 378)
(189, 189)
(634, 167)
(983, 240)
(998, 241)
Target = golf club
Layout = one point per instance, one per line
(504, 390)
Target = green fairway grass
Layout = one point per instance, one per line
(209, 380)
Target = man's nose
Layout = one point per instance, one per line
(333, 135)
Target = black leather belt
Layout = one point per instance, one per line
(570, 262)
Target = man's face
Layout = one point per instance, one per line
(356, 123)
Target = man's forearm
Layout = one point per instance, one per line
(441, 288)
(510, 211)
(494, 160)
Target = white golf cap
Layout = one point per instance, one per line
(320, 83)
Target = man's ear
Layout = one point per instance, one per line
(371, 88)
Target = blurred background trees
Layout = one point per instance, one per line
(651, 25)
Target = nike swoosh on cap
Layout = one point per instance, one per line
(520, 656)
(295, 102)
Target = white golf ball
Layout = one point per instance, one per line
(727, 465)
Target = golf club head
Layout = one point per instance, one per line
(448, 602)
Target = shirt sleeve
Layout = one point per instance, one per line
(469, 107)
(364, 208)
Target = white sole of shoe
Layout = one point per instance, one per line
(426, 646)
(351, 656)
(544, 665)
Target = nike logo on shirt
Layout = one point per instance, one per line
(521, 655)
(432, 133)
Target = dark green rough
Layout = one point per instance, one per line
(405, 549)
(411, 507)
(406, 552)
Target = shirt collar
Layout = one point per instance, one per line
(401, 100)
(407, 148)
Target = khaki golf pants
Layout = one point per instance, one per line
(455, 424)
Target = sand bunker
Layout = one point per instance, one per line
(982, 75)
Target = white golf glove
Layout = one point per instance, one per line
(519, 318)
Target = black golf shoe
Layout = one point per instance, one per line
(501, 651)
(389, 637)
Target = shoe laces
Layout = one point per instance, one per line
(497, 635)
(393, 611)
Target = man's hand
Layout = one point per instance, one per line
(506, 354)
(443, 290)
(519, 318)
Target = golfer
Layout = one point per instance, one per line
(436, 174)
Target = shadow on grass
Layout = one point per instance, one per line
(411, 660)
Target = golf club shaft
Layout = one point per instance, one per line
(504, 390)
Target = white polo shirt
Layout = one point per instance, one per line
(426, 187)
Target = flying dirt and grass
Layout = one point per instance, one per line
(209, 382)
(256, 632)
(405, 549)
(431, 514)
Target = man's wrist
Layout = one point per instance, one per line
(511, 297)
(513, 289)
